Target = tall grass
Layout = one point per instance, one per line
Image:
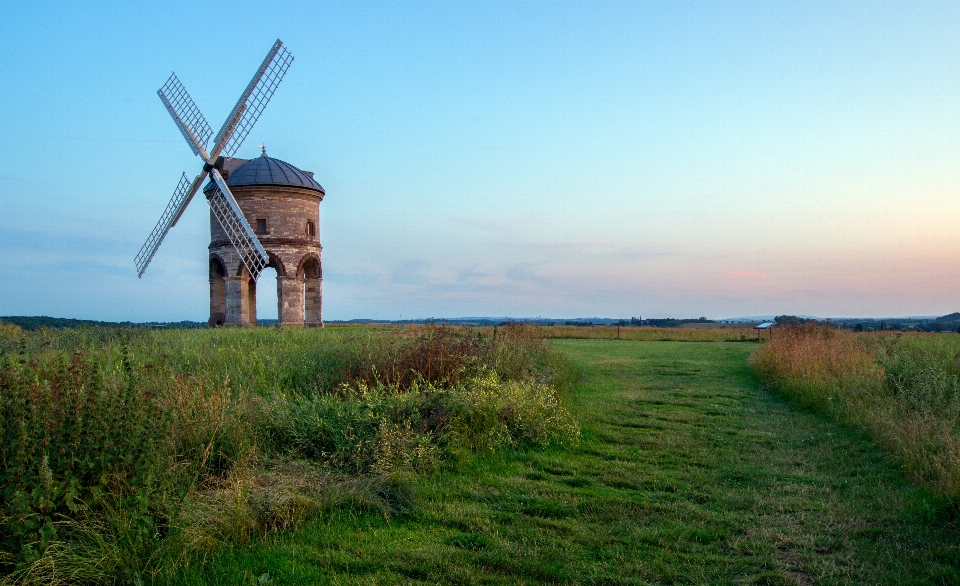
(123, 450)
(901, 389)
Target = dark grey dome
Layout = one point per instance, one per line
(266, 170)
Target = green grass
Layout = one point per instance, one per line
(125, 452)
(688, 472)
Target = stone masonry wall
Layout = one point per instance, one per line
(293, 252)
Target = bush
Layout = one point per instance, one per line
(378, 429)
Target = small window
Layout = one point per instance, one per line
(311, 230)
(261, 226)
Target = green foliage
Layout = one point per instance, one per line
(363, 429)
(792, 320)
(74, 430)
(119, 442)
(922, 373)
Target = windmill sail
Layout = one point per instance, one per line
(253, 100)
(174, 208)
(186, 115)
(238, 230)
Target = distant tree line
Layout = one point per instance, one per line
(42, 321)
(670, 322)
(946, 323)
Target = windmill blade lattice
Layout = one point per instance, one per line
(149, 248)
(238, 230)
(253, 100)
(186, 115)
(234, 131)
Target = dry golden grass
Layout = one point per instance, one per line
(817, 356)
(902, 389)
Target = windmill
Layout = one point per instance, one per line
(197, 133)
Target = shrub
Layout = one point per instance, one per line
(444, 356)
(378, 429)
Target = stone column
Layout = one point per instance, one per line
(313, 302)
(251, 304)
(237, 301)
(290, 299)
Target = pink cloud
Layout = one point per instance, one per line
(746, 274)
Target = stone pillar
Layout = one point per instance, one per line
(237, 301)
(313, 302)
(290, 299)
(251, 303)
(218, 302)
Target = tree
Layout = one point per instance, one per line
(790, 320)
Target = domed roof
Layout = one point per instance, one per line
(265, 170)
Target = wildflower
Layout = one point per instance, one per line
(46, 475)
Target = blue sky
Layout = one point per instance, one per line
(483, 158)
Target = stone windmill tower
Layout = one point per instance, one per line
(263, 212)
(282, 205)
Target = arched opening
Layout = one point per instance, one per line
(218, 294)
(267, 302)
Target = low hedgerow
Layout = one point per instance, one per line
(125, 452)
(902, 389)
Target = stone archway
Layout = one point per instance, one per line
(241, 298)
(267, 294)
(290, 298)
(239, 294)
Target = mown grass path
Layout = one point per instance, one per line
(688, 472)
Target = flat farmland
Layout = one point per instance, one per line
(687, 471)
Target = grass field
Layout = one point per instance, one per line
(901, 389)
(687, 472)
(694, 333)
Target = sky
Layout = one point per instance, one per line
(554, 159)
